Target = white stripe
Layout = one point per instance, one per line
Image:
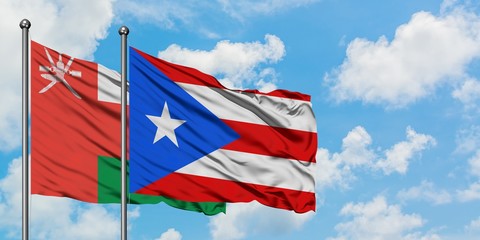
(254, 108)
(228, 104)
(109, 82)
(256, 169)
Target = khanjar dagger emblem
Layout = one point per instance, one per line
(56, 73)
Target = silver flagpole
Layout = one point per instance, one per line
(25, 26)
(123, 31)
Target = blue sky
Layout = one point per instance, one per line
(395, 89)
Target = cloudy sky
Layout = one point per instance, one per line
(395, 88)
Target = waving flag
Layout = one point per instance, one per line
(193, 139)
(75, 129)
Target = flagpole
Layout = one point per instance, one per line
(123, 31)
(25, 26)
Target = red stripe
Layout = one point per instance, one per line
(273, 141)
(281, 93)
(202, 189)
(179, 73)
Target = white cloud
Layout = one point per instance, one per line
(468, 139)
(470, 194)
(398, 157)
(355, 150)
(411, 66)
(202, 16)
(473, 226)
(425, 191)
(244, 219)
(468, 94)
(420, 236)
(61, 218)
(164, 13)
(471, 231)
(474, 163)
(170, 234)
(337, 169)
(242, 9)
(70, 26)
(378, 220)
(52, 217)
(11, 197)
(168, 14)
(133, 212)
(331, 171)
(242, 69)
(448, 5)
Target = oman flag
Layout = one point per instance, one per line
(76, 134)
(195, 140)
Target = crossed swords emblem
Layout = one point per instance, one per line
(56, 73)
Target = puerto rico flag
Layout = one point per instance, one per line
(192, 139)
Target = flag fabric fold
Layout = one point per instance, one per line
(75, 132)
(195, 140)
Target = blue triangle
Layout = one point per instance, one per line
(201, 134)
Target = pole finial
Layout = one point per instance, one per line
(25, 24)
(123, 30)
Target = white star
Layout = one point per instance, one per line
(165, 125)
